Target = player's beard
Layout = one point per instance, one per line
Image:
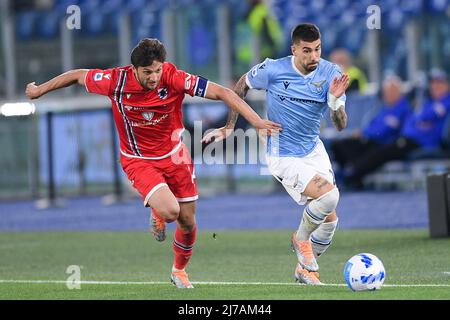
(311, 67)
(150, 85)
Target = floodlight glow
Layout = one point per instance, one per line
(17, 109)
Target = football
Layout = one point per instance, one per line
(364, 271)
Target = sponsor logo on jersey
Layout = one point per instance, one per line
(128, 95)
(286, 84)
(148, 122)
(148, 115)
(129, 108)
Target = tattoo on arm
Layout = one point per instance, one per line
(241, 87)
(339, 118)
(241, 90)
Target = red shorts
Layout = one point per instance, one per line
(176, 171)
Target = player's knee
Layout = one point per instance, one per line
(327, 202)
(170, 212)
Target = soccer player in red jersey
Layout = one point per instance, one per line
(146, 99)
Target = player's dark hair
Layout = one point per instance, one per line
(147, 51)
(306, 32)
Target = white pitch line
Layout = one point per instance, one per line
(204, 283)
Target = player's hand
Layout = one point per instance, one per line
(267, 127)
(32, 91)
(339, 85)
(217, 134)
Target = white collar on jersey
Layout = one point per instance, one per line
(309, 75)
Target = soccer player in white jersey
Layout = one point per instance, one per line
(299, 90)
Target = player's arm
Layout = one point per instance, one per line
(241, 88)
(337, 106)
(230, 98)
(66, 79)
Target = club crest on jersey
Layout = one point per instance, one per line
(317, 86)
(162, 93)
(148, 115)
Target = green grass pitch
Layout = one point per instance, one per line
(233, 265)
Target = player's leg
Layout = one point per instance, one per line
(317, 211)
(322, 237)
(308, 177)
(165, 209)
(325, 197)
(180, 176)
(147, 178)
(183, 243)
(295, 174)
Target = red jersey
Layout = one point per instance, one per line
(149, 122)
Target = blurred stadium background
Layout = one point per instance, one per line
(63, 155)
(205, 38)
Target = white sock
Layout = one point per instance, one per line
(306, 227)
(321, 238)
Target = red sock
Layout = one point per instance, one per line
(183, 243)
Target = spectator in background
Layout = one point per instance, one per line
(384, 128)
(358, 80)
(422, 129)
(258, 22)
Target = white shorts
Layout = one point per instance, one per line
(295, 173)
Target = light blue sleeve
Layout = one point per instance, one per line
(337, 73)
(259, 76)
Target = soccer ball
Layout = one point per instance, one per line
(364, 271)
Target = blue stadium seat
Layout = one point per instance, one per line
(388, 5)
(394, 19)
(93, 23)
(62, 5)
(25, 24)
(49, 24)
(136, 5)
(412, 7)
(437, 6)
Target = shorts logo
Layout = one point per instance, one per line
(148, 115)
(98, 76)
(162, 93)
